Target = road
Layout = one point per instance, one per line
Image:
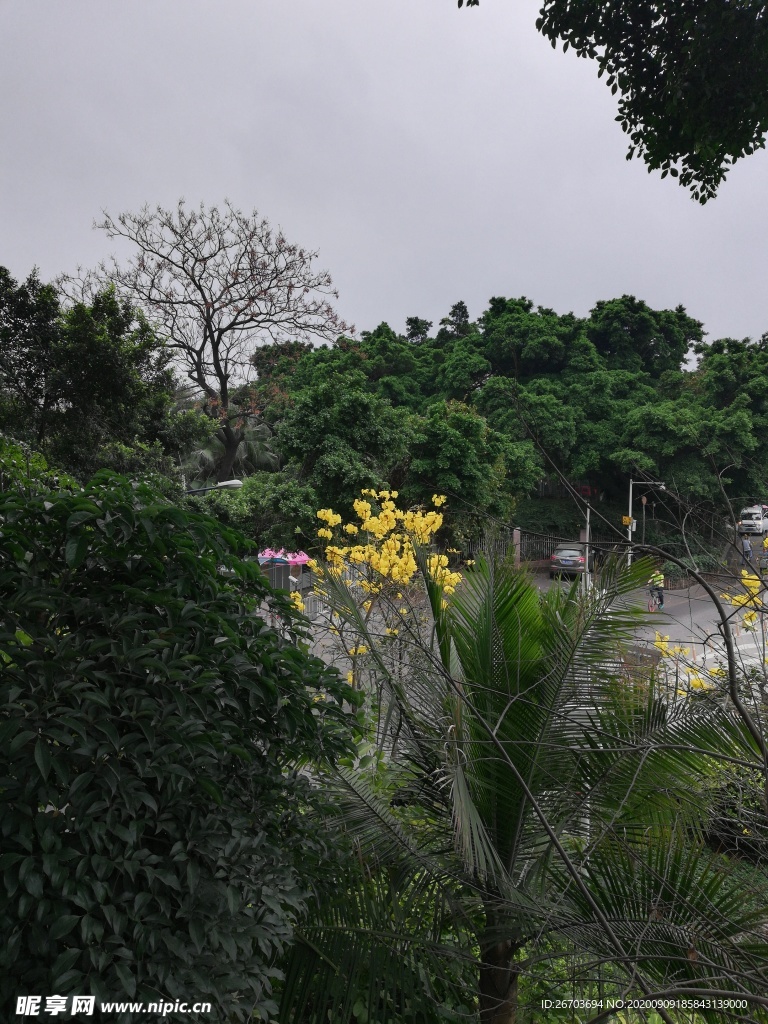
(690, 620)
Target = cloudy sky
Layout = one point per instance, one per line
(429, 154)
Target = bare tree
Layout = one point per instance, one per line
(215, 283)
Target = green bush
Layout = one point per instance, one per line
(150, 728)
(24, 469)
(702, 563)
(272, 509)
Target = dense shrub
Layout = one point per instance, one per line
(702, 563)
(271, 509)
(150, 726)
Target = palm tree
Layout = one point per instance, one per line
(530, 795)
(237, 444)
(252, 453)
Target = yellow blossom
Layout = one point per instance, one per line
(329, 516)
(362, 508)
(296, 601)
(353, 652)
(324, 532)
(388, 555)
(350, 677)
(438, 500)
(661, 643)
(697, 682)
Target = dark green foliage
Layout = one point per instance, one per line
(628, 335)
(455, 453)
(416, 329)
(149, 723)
(24, 470)
(89, 386)
(341, 438)
(272, 509)
(691, 75)
(30, 332)
(405, 965)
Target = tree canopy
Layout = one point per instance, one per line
(215, 283)
(90, 384)
(692, 77)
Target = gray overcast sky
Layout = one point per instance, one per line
(429, 154)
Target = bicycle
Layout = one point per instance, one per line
(655, 600)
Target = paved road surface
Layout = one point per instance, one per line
(690, 620)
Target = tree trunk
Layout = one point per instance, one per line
(231, 440)
(498, 983)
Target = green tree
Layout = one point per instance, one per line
(90, 386)
(150, 724)
(114, 385)
(340, 438)
(522, 342)
(272, 509)
(455, 453)
(630, 336)
(416, 329)
(30, 334)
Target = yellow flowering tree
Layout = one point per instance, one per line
(374, 570)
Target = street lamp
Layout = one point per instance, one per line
(629, 521)
(225, 485)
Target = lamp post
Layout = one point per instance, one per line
(586, 578)
(629, 520)
(225, 485)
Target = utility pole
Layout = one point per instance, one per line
(644, 500)
(628, 520)
(587, 580)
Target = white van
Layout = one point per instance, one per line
(753, 520)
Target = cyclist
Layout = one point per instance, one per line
(656, 586)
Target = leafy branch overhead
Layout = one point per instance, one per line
(692, 77)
